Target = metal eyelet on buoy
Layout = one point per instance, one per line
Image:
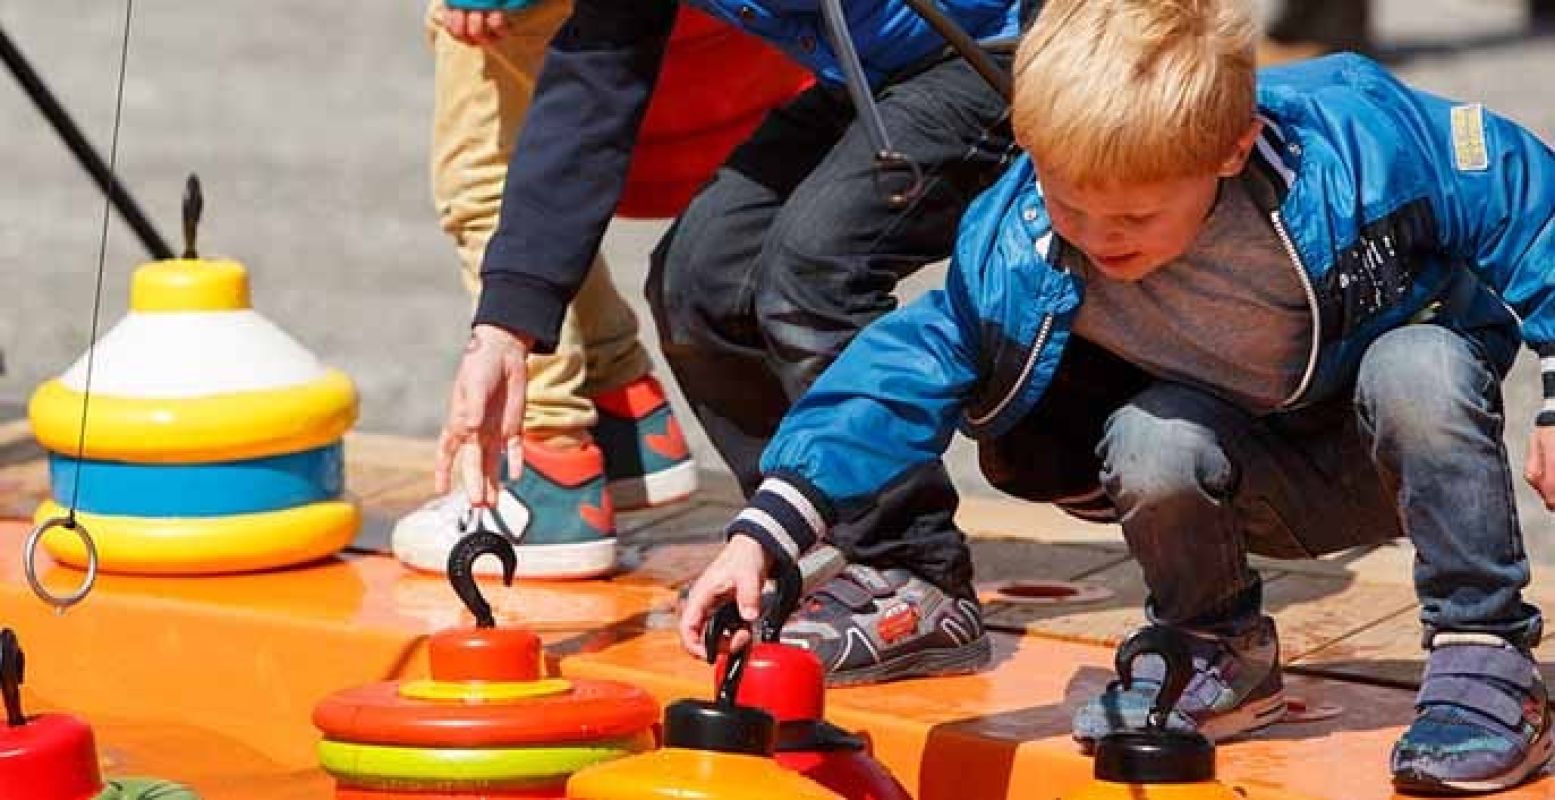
(30, 556)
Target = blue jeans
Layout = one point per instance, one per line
(1415, 450)
(792, 249)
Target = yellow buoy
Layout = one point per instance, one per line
(212, 439)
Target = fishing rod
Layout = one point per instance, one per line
(106, 181)
(887, 158)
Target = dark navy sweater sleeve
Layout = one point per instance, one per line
(569, 165)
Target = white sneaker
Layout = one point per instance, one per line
(423, 538)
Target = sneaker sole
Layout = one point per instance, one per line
(1250, 718)
(1538, 756)
(656, 489)
(934, 663)
(535, 561)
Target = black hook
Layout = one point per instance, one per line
(13, 667)
(1172, 646)
(781, 604)
(888, 162)
(726, 620)
(461, 566)
(194, 203)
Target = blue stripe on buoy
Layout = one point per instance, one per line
(200, 490)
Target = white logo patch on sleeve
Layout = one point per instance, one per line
(1469, 149)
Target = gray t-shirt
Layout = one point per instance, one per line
(1230, 316)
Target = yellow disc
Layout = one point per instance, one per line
(205, 545)
(468, 769)
(483, 691)
(223, 427)
(189, 285)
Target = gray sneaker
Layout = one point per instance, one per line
(868, 625)
(1235, 688)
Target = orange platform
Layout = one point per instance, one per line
(211, 681)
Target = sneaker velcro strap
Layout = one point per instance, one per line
(1475, 694)
(844, 590)
(870, 579)
(1481, 661)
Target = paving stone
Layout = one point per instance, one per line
(1102, 622)
(1389, 651)
(1011, 518)
(1314, 611)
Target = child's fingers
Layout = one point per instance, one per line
(496, 24)
(747, 593)
(693, 618)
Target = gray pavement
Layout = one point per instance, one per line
(307, 122)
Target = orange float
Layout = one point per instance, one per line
(716, 85)
(488, 724)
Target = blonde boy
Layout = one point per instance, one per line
(1231, 317)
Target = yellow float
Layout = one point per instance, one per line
(212, 439)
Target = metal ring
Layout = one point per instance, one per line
(30, 555)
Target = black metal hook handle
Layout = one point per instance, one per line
(13, 668)
(889, 162)
(461, 566)
(726, 620)
(1172, 646)
(781, 604)
(194, 203)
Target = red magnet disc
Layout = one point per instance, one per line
(377, 714)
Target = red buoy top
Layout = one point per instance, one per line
(785, 681)
(485, 654)
(53, 755)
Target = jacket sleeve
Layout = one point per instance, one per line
(888, 404)
(1496, 206)
(569, 166)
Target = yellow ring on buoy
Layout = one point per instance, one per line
(225, 427)
(183, 284)
(455, 768)
(205, 545)
(483, 691)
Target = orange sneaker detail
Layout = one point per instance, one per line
(635, 400)
(671, 443)
(565, 466)
(601, 518)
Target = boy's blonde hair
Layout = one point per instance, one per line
(1108, 91)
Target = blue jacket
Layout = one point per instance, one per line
(1382, 195)
(569, 166)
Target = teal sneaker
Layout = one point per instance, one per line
(557, 513)
(646, 458)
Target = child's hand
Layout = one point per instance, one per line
(738, 572)
(1539, 470)
(485, 415)
(475, 27)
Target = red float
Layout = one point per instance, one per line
(54, 755)
(590, 711)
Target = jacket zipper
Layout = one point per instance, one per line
(1025, 372)
(1317, 317)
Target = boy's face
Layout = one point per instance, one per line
(1129, 230)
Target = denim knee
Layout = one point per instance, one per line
(1149, 461)
(1416, 384)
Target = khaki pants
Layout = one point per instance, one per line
(482, 95)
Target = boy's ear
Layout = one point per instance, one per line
(1244, 150)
